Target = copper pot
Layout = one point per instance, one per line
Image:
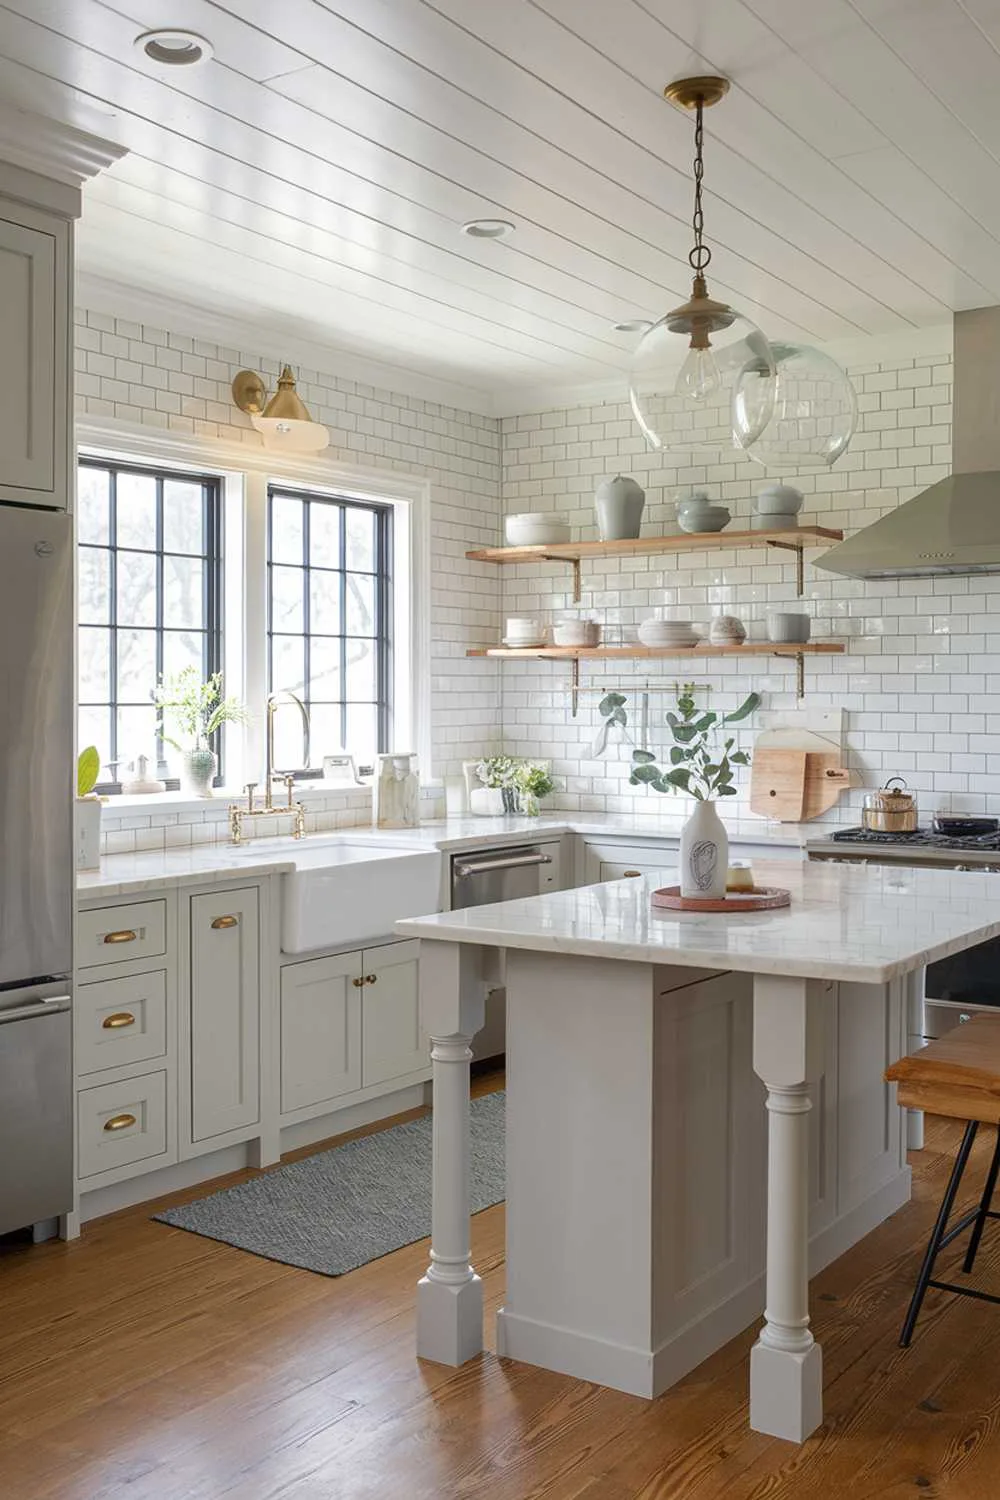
(892, 809)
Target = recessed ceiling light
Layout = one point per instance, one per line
(632, 325)
(173, 48)
(488, 229)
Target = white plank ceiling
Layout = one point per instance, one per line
(311, 178)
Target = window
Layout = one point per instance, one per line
(149, 603)
(330, 622)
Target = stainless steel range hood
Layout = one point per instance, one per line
(954, 526)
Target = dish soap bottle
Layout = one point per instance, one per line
(397, 792)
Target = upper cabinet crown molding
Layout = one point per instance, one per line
(45, 162)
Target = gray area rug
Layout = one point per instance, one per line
(342, 1208)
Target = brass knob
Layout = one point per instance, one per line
(118, 1020)
(629, 874)
(120, 1122)
(357, 983)
(127, 935)
(225, 922)
(371, 979)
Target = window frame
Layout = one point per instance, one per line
(384, 513)
(213, 502)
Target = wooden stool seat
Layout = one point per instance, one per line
(957, 1076)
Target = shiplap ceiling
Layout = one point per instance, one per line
(310, 180)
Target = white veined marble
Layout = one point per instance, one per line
(851, 922)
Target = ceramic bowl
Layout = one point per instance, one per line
(788, 627)
(704, 518)
(667, 633)
(575, 633)
(534, 529)
(779, 500)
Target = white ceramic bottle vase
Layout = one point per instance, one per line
(704, 853)
(619, 504)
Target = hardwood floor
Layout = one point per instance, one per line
(145, 1363)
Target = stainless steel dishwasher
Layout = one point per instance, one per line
(482, 878)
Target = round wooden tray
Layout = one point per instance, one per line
(761, 898)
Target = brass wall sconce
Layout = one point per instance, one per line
(284, 420)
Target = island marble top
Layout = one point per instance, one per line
(846, 922)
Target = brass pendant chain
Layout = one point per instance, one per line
(700, 255)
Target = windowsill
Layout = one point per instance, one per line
(177, 802)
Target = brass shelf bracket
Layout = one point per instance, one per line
(574, 691)
(799, 564)
(574, 563)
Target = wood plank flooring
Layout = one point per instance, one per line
(145, 1363)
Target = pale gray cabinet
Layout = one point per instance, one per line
(348, 1023)
(35, 337)
(224, 1012)
(320, 1030)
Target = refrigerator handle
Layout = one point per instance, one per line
(35, 1008)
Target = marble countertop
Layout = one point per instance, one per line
(846, 922)
(159, 869)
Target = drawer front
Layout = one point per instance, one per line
(120, 1123)
(121, 934)
(121, 1021)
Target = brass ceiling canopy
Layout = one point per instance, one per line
(690, 92)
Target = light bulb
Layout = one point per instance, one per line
(699, 375)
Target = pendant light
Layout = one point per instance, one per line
(695, 351)
(283, 421)
(814, 409)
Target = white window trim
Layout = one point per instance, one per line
(246, 470)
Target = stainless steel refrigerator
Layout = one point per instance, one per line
(36, 865)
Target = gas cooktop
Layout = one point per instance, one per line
(921, 838)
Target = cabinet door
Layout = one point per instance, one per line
(225, 1012)
(28, 321)
(320, 1030)
(393, 1042)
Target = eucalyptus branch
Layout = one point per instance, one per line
(698, 764)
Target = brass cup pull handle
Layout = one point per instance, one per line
(120, 1122)
(127, 935)
(371, 979)
(118, 1020)
(357, 983)
(630, 874)
(225, 922)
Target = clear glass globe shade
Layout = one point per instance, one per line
(682, 397)
(814, 409)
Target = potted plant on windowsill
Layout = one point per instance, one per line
(88, 810)
(196, 709)
(700, 767)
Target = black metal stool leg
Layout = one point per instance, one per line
(984, 1208)
(941, 1224)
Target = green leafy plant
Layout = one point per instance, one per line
(88, 768)
(698, 764)
(534, 779)
(498, 771)
(196, 708)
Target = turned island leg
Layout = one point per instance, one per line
(450, 1294)
(786, 1364)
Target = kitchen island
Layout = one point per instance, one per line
(649, 1208)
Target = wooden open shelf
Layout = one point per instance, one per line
(797, 538)
(796, 651)
(622, 653)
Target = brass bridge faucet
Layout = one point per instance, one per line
(291, 808)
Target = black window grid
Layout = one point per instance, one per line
(382, 574)
(212, 599)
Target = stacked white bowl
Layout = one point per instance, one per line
(668, 633)
(524, 631)
(535, 529)
(778, 508)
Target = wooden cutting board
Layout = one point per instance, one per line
(795, 785)
(778, 784)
